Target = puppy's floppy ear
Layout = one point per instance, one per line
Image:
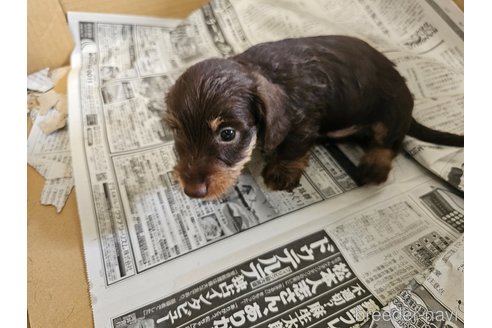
(169, 120)
(274, 122)
(168, 117)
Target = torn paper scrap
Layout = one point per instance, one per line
(32, 101)
(41, 144)
(52, 166)
(43, 98)
(41, 103)
(57, 122)
(59, 117)
(62, 104)
(57, 73)
(40, 81)
(47, 101)
(50, 156)
(56, 191)
(53, 103)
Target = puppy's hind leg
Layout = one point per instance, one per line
(375, 165)
(392, 120)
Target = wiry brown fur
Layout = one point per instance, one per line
(291, 173)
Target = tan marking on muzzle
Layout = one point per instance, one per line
(225, 178)
(178, 177)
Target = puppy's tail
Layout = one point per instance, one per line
(426, 134)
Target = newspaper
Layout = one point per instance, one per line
(50, 155)
(48, 146)
(336, 271)
(143, 238)
(40, 81)
(433, 300)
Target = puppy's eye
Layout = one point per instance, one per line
(227, 134)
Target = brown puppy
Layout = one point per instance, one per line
(287, 95)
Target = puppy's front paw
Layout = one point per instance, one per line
(281, 176)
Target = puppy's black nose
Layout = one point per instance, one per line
(198, 190)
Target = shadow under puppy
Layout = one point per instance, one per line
(288, 95)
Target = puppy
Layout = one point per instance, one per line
(286, 96)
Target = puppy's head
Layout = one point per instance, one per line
(215, 110)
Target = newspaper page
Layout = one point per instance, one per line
(435, 299)
(334, 272)
(50, 156)
(141, 234)
(48, 146)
